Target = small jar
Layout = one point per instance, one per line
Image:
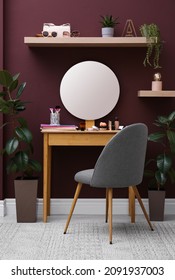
(156, 85)
(103, 125)
(116, 123)
(110, 125)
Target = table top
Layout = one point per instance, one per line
(67, 131)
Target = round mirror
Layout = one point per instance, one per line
(89, 90)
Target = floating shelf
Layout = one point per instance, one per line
(86, 42)
(162, 93)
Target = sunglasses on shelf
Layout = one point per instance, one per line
(74, 33)
(49, 34)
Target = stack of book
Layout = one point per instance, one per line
(59, 127)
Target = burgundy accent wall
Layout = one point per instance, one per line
(43, 69)
(1, 117)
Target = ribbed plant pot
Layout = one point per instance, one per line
(26, 199)
(156, 205)
(107, 31)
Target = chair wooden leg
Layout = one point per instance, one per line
(106, 205)
(142, 206)
(77, 192)
(110, 194)
(132, 204)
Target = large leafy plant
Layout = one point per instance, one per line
(162, 166)
(18, 148)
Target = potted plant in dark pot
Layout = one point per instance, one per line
(161, 170)
(108, 24)
(19, 148)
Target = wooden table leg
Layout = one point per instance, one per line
(132, 204)
(46, 178)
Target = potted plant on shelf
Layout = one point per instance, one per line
(154, 45)
(161, 170)
(108, 24)
(19, 148)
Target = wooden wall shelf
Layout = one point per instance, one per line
(86, 42)
(162, 93)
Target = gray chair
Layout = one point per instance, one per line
(120, 165)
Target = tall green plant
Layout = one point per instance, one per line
(162, 166)
(18, 148)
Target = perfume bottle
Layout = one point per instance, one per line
(157, 83)
(116, 123)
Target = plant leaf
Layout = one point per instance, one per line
(21, 160)
(20, 89)
(171, 138)
(24, 134)
(19, 105)
(160, 178)
(22, 122)
(156, 137)
(162, 119)
(4, 106)
(35, 165)
(16, 76)
(11, 145)
(13, 85)
(5, 78)
(11, 166)
(171, 117)
(164, 163)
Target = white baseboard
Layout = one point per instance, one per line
(2, 208)
(84, 206)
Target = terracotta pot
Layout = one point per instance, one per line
(26, 199)
(156, 204)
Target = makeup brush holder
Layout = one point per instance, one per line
(55, 118)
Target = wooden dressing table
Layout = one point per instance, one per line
(53, 137)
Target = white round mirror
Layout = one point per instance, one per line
(89, 90)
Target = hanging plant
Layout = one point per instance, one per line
(154, 46)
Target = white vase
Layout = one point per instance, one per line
(107, 31)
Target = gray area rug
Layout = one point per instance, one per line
(87, 240)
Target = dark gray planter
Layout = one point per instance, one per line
(26, 199)
(156, 205)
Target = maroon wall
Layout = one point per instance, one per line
(43, 69)
(1, 116)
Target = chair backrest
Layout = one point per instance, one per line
(121, 162)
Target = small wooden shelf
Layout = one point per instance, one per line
(162, 93)
(86, 42)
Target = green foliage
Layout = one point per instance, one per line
(109, 21)
(154, 47)
(18, 148)
(162, 165)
